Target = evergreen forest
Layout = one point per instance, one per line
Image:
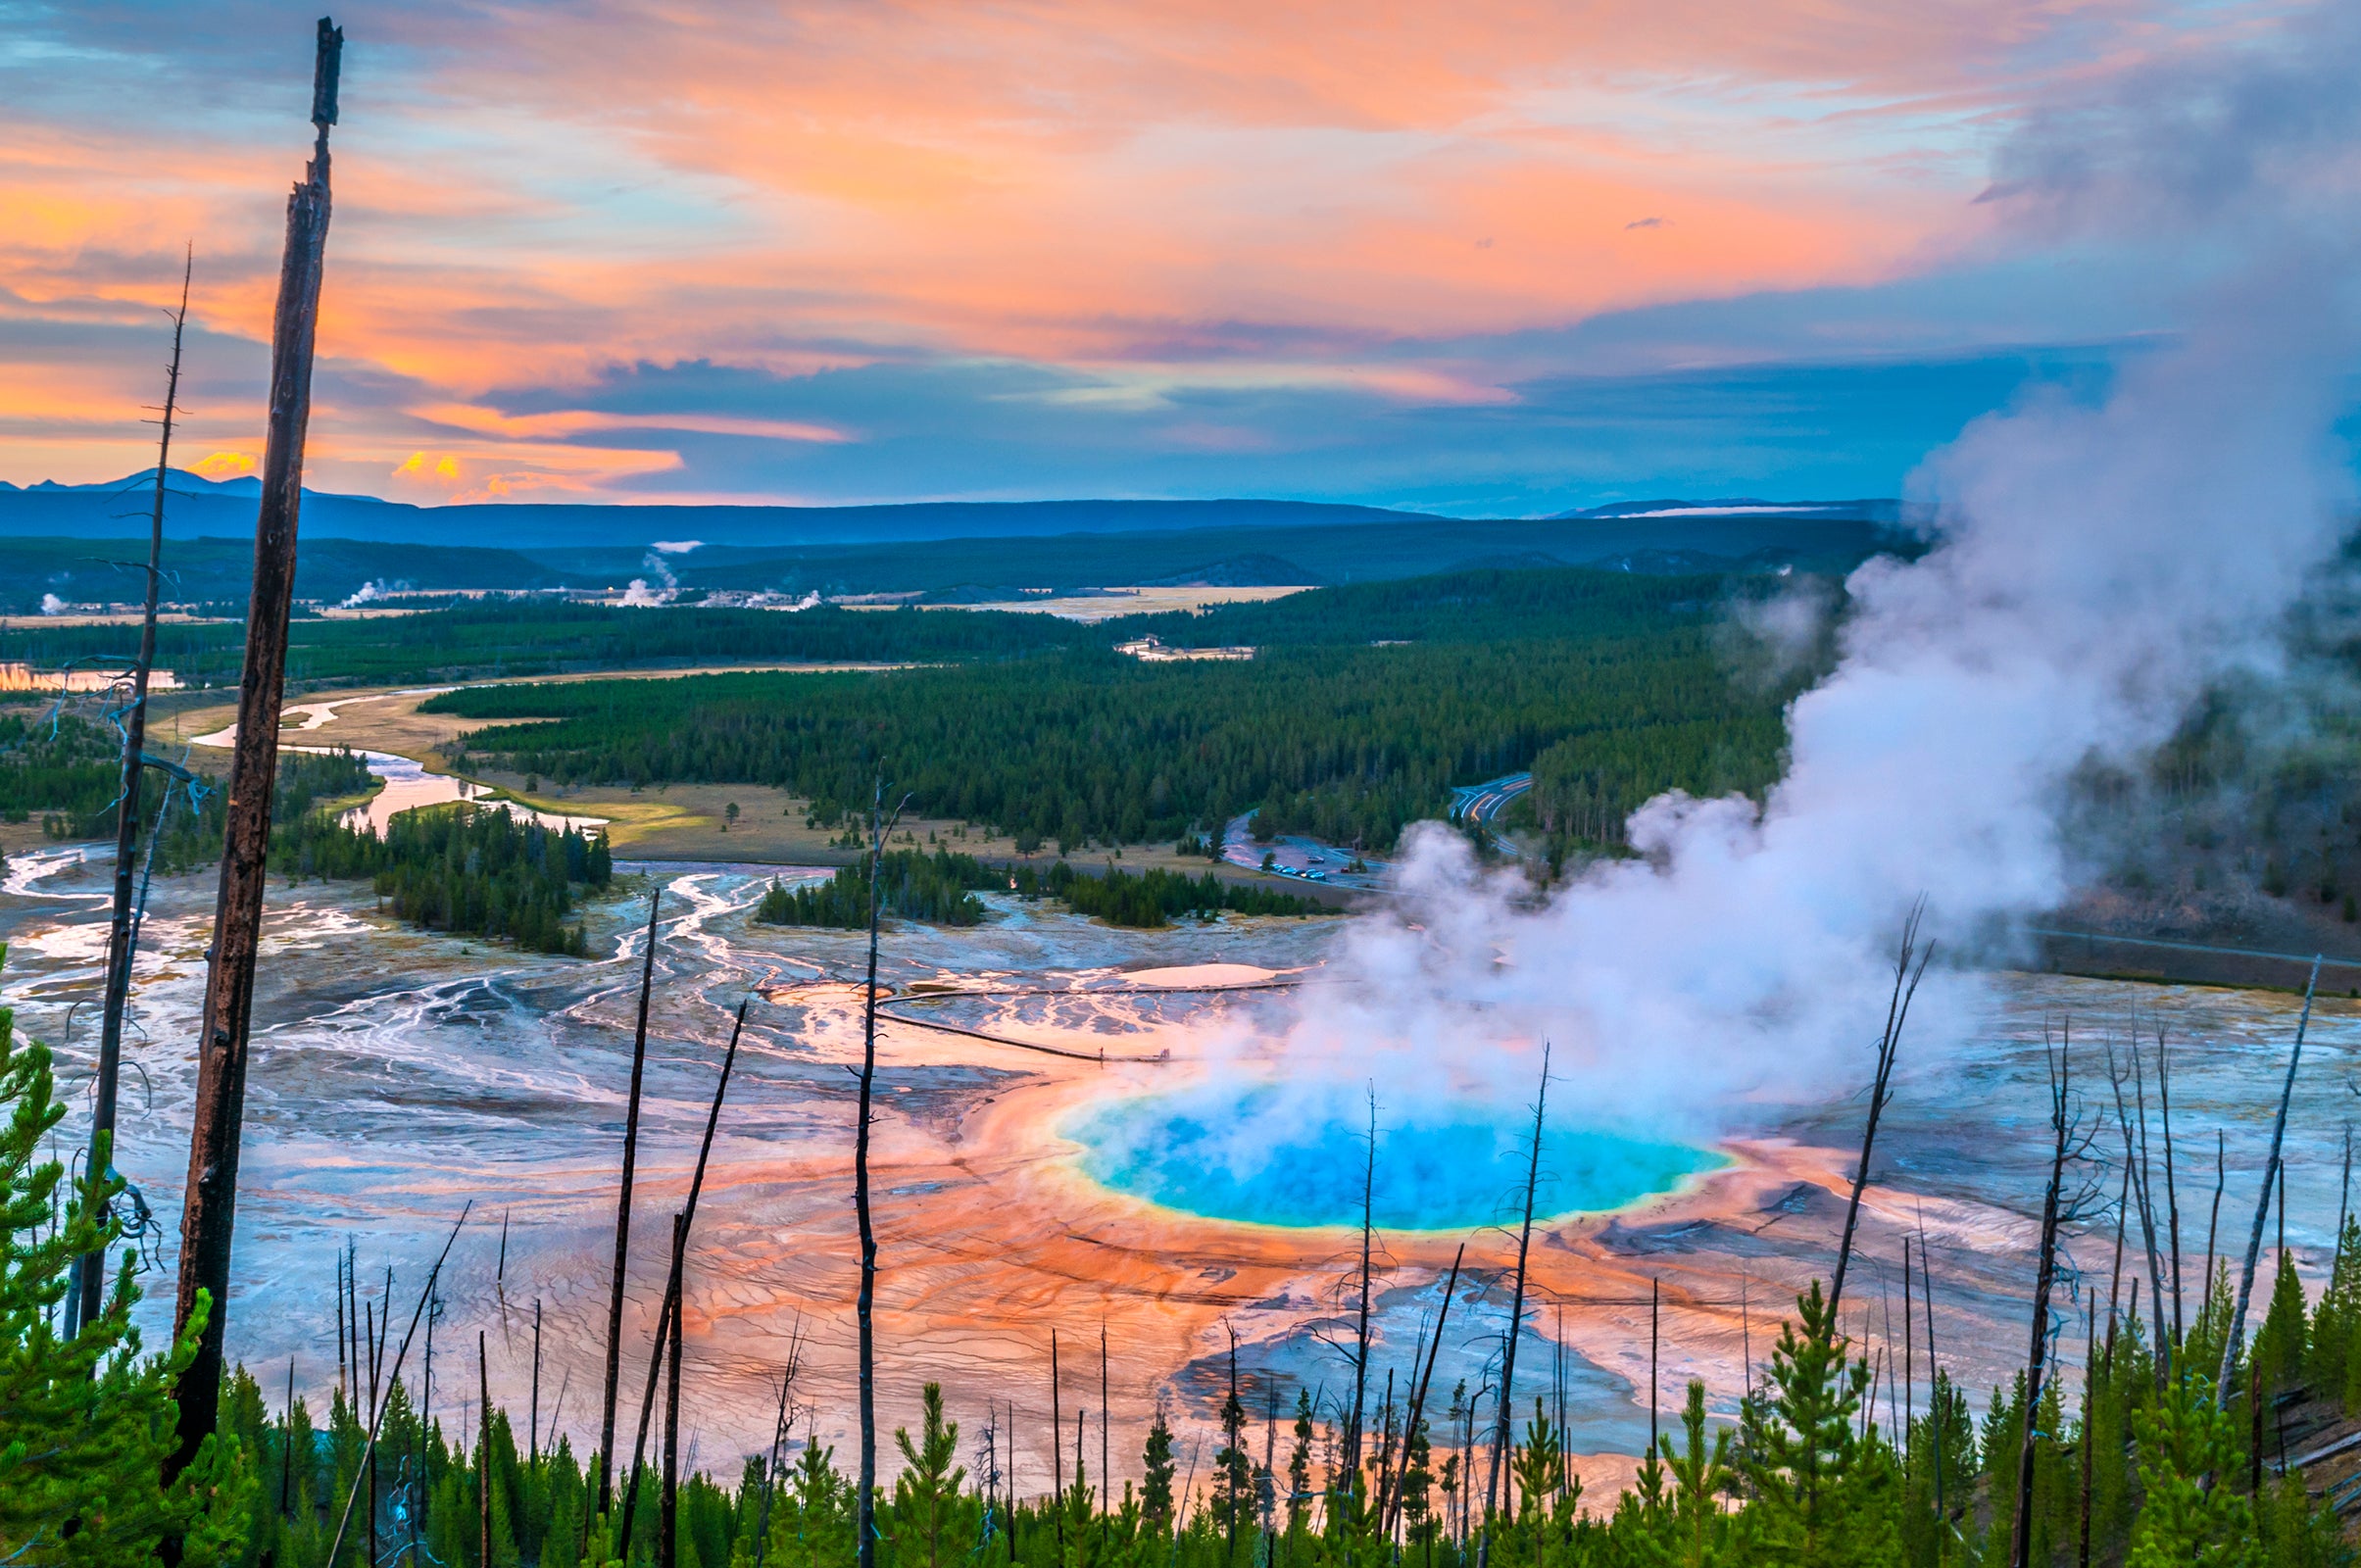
(1366, 705)
(941, 889)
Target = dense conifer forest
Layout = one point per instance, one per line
(491, 638)
(465, 869)
(1366, 705)
(941, 889)
(457, 869)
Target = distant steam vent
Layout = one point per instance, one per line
(1153, 650)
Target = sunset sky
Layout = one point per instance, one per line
(1486, 256)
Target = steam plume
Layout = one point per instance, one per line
(2094, 567)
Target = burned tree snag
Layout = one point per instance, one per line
(2231, 1342)
(1506, 1404)
(622, 1217)
(2056, 1207)
(1361, 1332)
(484, 1451)
(89, 1270)
(1897, 1012)
(209, 1211)
(865, 1313)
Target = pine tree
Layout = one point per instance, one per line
(1824, 1494)
(928, 1491)
(1233, 1469)
(86, 1423)
(1299, 1467)
(1156, 1485)
(1417, 1486)
(1700, 1475)
(2184, 1445)
(2337, 1318)
(2281, 1347)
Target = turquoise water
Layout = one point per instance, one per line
(1250, 1154)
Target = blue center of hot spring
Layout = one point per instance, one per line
(1264, 1156)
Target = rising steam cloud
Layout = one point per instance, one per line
(2093, 570)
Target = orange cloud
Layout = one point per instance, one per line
(1161, 192)
(224, 465)
(573, 422)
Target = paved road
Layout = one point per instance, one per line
(1481, 802)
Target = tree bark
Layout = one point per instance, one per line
(1056, 1451)
(1516, 1323)
(1427, 1378)
(668, 1519)
(484, 1451)
(2172, 1196)
(83, 1301)
(2231, 1342)
(2021, 1542)
(1360, 1332)
(377, 1412)
(208, 1211)
(623, 1221)
(865, 1305)
(667, 1316)
(1897, 1012)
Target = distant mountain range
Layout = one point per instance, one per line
(197, 508)
(78, 543)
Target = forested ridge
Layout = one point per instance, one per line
(941, 889)
(489, 638)
(1336, 733)
(492, 638)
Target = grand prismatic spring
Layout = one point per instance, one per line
(1058, 1148)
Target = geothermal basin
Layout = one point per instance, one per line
(1068, 1140)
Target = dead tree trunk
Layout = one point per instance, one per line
(208, 1211)
(1107, 1476)
(1426, 1378)
(1655, 1429)
(1909, 1358)
(866, 1304)
(668, 1314)
(622, 1218)
(1057, 1449)
(2098, 1360)
(1897, 1012)
(1934, 1413)
(2171, 1197)
(2135, 1156)
(533, 1441)
(2021, 1545)
(82, 1300)
(483, 1452)
(1506, 1403)
(2231, 1342)
(2344, 1189)
(1361, 1332)
(2151, 1229)
(667, 1518)
(2213, 1226)
(377, 1411)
